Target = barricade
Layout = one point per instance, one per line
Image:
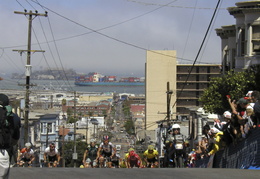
(244, 155)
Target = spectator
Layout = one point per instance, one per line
(192, 158)
(216, 139)
(203, 145)
(218, 124)
(205, 130)
(239, 114)
(7, 153)
(244, 116)
(249, 98)
(229, 130)
(255, 98)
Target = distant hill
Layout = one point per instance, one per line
(49, 74)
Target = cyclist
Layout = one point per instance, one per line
(133, 159)
(26, 156)
(126, 157)
(115, 161)
(151, 157)
(90, 155)
(51, 155)
(179, 153)
(106, 151)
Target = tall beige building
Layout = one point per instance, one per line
(160, 69)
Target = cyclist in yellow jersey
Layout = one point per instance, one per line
(151, 157)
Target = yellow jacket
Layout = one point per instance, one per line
(217, 145)
(151, 155)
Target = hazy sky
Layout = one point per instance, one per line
(109, 36)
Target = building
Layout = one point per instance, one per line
(137, 99)
(95, 97)
(138, 115)
(240, 43)
(191, 82)
(187, 83)
(101, 108)
(160, 73)
(49, 131)
(89, 127)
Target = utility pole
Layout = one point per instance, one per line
(75, 155)
(87, 132)
(63, 155)
(169, 93)
(28, 68)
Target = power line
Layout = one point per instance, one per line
(20, 4)
(112, 38)
(203, 41)
(66, 82)
(184, 7)
(186, 42)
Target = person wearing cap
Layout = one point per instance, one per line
(7, 154)
(216, 140)
(106, 151)
(90, 155)
(51, 156)
(151, 157)
(126, 156)
(228, 129)
(245, 116)
(132, 159)
(249, 98)
(27, 156)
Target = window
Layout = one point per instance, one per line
(256, 38)
(49, 127)
(43, 128)
(256, 32)
(46, 126)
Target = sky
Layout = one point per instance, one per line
(109, 36)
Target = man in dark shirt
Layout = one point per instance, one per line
(6, 154)
(255, 96)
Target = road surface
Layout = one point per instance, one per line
(135, 173)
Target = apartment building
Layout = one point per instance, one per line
(191, 82)
(160, 71)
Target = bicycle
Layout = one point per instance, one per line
(24, 164)
(152, 165)
(104, 162)
(51, 164)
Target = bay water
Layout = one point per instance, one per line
(63, 86)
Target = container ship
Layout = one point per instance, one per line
(97, 79)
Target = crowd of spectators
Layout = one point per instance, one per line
(235, 125)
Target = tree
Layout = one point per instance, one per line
(63, 103)
(256, 70)
(71, 118)
(129, 126)
(235, 84)
(68, 147)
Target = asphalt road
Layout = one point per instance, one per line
(135, 173)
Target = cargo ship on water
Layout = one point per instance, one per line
(97, 79)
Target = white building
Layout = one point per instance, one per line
(241, 42)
